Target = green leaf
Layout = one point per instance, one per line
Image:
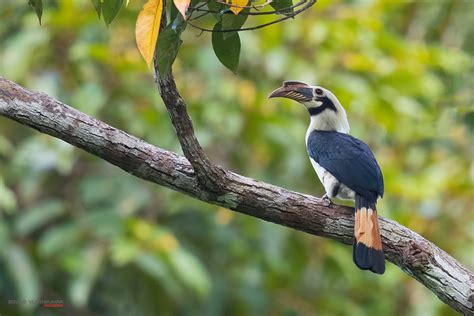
(81, 285)
(151, 265)
(173, 11)
(23, 273)
(167, 48)
(89, 97)
(469, 121)
(154, 267)
(59, 238)
(8, 201)
(110, 9)
(123, 250)
(179, 24)
(282, 4)
(233, 22)
(38, 216)
(227, 49)
(104, 223)
(97, 6)
(190, 270)
(38, 7)
(4, 237)
(215, 7)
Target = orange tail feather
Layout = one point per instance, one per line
(367, 251)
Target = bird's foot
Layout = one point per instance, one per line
(326, 199)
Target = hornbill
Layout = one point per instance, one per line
(345, 166)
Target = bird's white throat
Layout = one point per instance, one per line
(329, 121)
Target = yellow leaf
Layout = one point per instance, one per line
(239, 4)
(147, 28)
(182, 6)
(126, 5)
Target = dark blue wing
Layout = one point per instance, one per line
(348, 159)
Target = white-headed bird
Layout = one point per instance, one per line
(345, 166)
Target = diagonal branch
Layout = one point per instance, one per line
(209, 175)
(418, 257)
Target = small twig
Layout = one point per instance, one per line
(197, 8)
(198, 16)
(284, 10)
(253, 6)
(293, 14)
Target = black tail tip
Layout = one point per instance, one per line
(367, 258)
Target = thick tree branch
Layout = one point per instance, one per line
(416, 256)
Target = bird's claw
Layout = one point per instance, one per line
(326, 199)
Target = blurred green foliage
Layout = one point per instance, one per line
(75, 228)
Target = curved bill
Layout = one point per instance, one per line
(295, 90)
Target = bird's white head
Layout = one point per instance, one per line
(327, 113)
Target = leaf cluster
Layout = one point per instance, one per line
(230, 17)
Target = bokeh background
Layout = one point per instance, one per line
(75, 228)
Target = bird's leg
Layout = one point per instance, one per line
(326, 199)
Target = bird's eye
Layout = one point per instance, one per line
(318, 91)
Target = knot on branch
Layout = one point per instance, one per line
(418, 254)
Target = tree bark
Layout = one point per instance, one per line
(209, 175)
(416, 256)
